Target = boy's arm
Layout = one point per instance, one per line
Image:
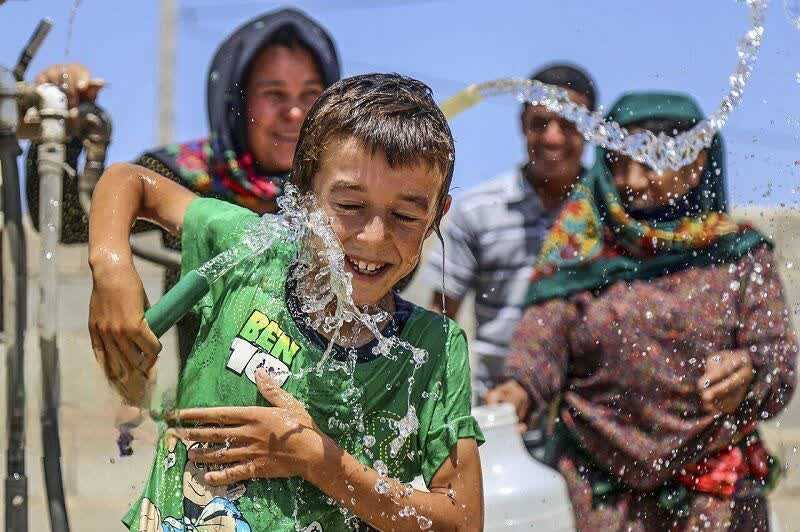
(283, 441)
(121, 340)
(455, 501)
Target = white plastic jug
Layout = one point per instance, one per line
(519, 492)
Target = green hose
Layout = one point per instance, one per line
(176, 302)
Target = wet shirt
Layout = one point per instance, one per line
(246, 323)
(491, 240)
(626, 363)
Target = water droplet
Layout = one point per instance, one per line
(382, 486)
(381, 468)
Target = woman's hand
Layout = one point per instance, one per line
(258, 442)
(513, 393)
(122, 342)
(724, 384)
(74, 80)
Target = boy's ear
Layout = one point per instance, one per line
(448, 200)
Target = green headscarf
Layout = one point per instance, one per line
(595, 242)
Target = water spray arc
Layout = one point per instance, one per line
(657, 151)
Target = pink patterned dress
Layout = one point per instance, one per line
(625, 364)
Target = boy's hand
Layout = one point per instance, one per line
(122, 342)
(513, 393)
(724, 384)
(258, 442)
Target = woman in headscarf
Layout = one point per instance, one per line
(262, 80)
(261, 83)
(657, 338)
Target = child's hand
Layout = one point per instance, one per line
(259, 442)
(122, 342)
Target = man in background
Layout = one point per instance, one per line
(494, 231)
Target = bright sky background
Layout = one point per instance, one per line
(684, 45)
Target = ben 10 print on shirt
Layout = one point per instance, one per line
(261, 342)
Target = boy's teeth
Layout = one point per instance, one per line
(365, 267)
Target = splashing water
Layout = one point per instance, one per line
(325, 291)
(71, 24)
(657, 151)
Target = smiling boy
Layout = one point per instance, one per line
(331, 452)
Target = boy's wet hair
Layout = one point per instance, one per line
(387, 113)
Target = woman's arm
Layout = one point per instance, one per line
(539, 354)
(765, 332)
(121, 340)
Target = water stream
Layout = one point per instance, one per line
(70, 25)
(657, 151)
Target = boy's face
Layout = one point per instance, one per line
(380, 214)
(282, 86)
(642, 188)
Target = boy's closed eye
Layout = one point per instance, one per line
(349, 206)
(406, 217)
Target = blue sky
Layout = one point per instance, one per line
(626, 44)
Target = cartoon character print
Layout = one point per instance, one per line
(205, 508)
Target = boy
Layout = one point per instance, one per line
(376, 152)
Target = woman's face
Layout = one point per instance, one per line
(380, 214)
(282, 86)
(642, 188)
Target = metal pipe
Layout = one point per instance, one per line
(53, 112)
(39, 35)
(15, 308)
(94, 127)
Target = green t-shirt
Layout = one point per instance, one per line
(246, 323)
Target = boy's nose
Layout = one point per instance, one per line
(374, 230)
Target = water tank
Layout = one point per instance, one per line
(519, 492)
